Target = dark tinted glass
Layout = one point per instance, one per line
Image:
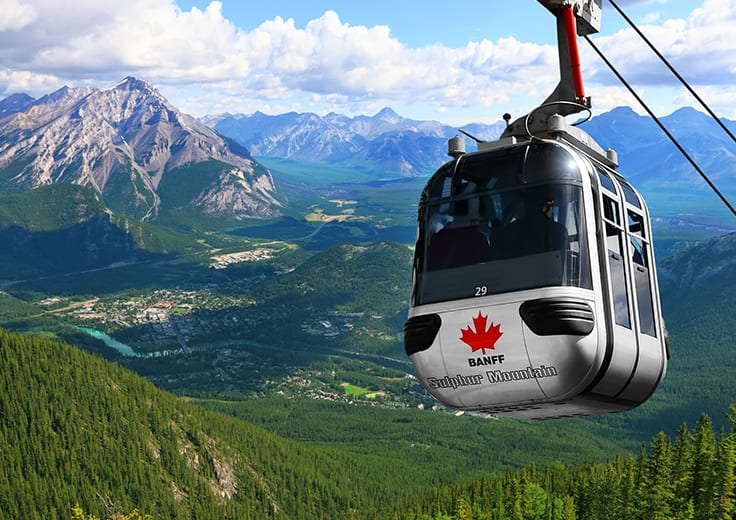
(507, 225)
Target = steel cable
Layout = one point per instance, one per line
(661, 126)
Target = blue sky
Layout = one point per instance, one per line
(426, 59)
(419, 23)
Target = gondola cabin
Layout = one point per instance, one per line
(534, 287)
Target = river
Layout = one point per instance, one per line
(124, 349)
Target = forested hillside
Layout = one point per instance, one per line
(698, 286)
(79, 435)
(690, 478)
(78, 430)
(64, 228)
(369, 279)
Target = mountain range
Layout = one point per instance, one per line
(396, 145)
(391, 146)
(148, 160)
(144, 160)
(649, 158)
(385, 142)
(137, 151)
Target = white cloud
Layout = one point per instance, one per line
(155, 40)
(701, 48)
(16, 14)
(204, 63)
(108, 40)
(651, 18)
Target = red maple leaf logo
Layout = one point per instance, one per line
(481, 338)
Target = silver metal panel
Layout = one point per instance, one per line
(623, 361)
(649, 370)
(575, 359)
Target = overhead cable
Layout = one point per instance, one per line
(674, 71)
(659, 123)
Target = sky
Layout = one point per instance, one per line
(455, 62)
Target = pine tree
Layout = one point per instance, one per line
(724, 479)
(682, 477)
(563, 509)
(639, 496)
(702, 469)
(463, 509)
(534, 502)
(659, 496)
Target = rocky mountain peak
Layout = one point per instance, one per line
(389, 115)
(15, 103)
(133, 83)
(122, 141)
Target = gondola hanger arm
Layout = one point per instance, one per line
(574, 17)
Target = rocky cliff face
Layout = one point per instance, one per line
(123, 141)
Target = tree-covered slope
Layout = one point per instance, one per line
(76, 429)
(64, 227)
(698, 287)
(690, 478)
(370, 278)
(371, 282)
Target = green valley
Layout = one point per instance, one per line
(288, 331)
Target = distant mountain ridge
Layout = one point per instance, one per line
(648, 157)
(705, 271)
(124, 142)
(389, 145)
(412, 147)
(385, 141)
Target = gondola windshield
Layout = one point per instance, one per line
(502, 221)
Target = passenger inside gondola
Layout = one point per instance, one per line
(533, 231)
(460, 241)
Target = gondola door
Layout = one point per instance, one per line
(634, 364)
(647, 323)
